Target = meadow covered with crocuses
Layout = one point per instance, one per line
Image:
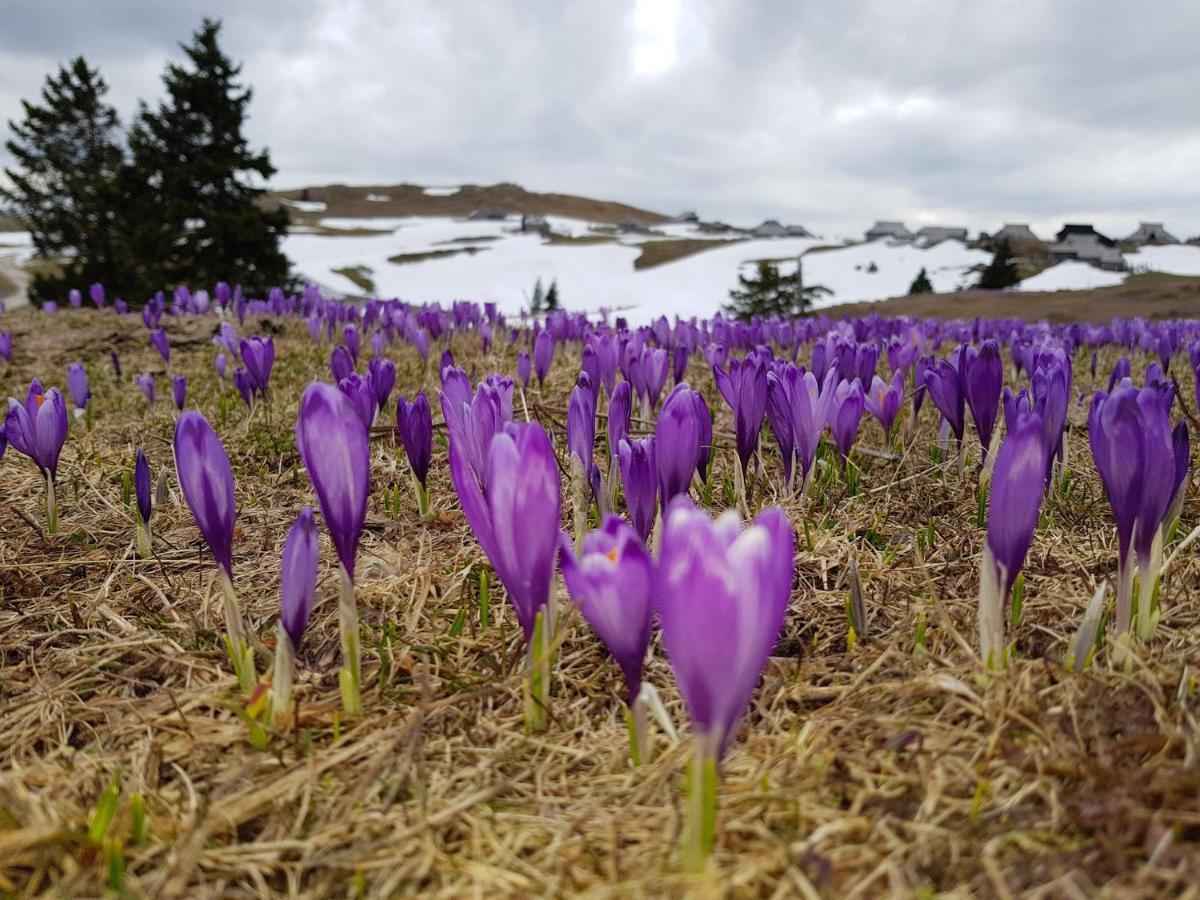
(300, 597)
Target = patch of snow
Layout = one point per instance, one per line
(1173, 259)
(310, 206)
(846, 271)
(1071, 275)
(379, 198)
(441, 191)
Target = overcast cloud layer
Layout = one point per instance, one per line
(826, 114)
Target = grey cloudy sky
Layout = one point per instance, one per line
(829, 114)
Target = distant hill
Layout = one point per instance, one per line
(412, 200)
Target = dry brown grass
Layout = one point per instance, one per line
(869, 770)
(657, 253)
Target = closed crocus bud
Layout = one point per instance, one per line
(983, 379)
(96, 292)
(146, 382)
(359, 391)
(745, 391)
(845, 416)
(638, 475)
(543, 354)
(258, 355)
(1013, 506)
(77, 384)
(6, 346)
(116, 363)
(221, 363)
(382, 373)
(516, 518)
(414, 427)
(677, 436)
(74, 298)
(945, 389)
(524, 369)
(341, 363)
(298, 576)
(203, 472)
(581, 422)
(722, 593)
(243, 382)
(610, 582)
(654, 371)
(350, 336)
(143, 486)
(158, 338)
(334, 446)
(179, 387)
(620, 403)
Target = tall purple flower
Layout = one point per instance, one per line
(158, 338)
(6, 346)
(722, 594)
(414, 428)
(983, 378)
(581, 422)
(610, 582)
(298, 576)
(77, 384)
(38, 427)
(945, 387)
(221, 363)
(845, 414)
(654, 372)
(543, 354)
(516, 517)
(243, 382)
(745, 390)
(143, 485)
(258, 356)
(146, 382)
(179, 385)
(341, 363)
(353, 344)
(619, 411)
(472, 420)
(202, 469)
(638, 474)
(883, 400)
(335, 448)
(1016, 499)
(362, 395)
(524, 369)
(382, 373)
(677, 437)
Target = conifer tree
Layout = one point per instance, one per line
(64, 185)
(552, 297)
(1001, 272)
(195, 183)
(921, 284)
(770, 293)
(537, 302)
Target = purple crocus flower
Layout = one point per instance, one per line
(1120, 372)
(335, 448)
(654, 373)
(258, 355)
(116, 362)
(146, 382)
(745, 390)
(524, 369)
(382, 373)
(341, 363)
(581, 422)
(516, 517)
(414, 427)
(983, 378)
(202, 469)
(722, 594)
(96, 292)
(158, 338)
(883, 400)
(74, 298)
(243, 382)
(351, 339)
(677, 436)
(298, 576)
(472, 420)
(77, 384)
(845, 415)
(6, 346)
(143, 485)
(38, 428)
(179, 385)
(619, 410)
(362, 396)
(944, 384)
(1013, 506)
(610, 582)
(543, 355)
(638, 474)
(221, 363)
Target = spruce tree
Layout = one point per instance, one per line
(769, 293)
(194, 184)
(552, 297)
(64, 184)
(1001, 272)
(921, 284)
(538, 301)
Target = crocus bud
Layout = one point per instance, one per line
(142, 486)
(203, 472)
(158, 338)
(638, 476)
(146, 382)
(77, 384)
(543, 354)
(179, 385)
(298, 576)
(414, 428)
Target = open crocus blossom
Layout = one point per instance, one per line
(610, 582)
(722, 593)
(335, 447)
(1013, 506)
(203, 472)
(982, 380)
(515, 518)
(38, 428)
(414, 428)
(297, 588)
(258, 356)
(883, 400)
(142, 487)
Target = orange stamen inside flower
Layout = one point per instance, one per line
(611, 555)
(40, 398)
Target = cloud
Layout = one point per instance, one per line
(825, 114)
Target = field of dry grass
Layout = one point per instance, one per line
(884, 768)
